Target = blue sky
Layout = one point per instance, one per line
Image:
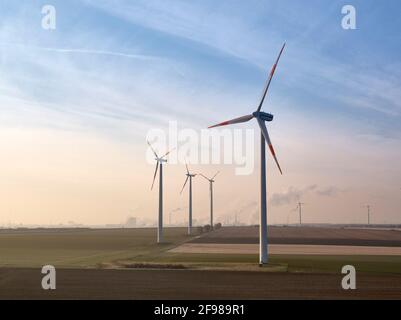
(115, 69)
(353, 75)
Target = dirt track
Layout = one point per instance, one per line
(190, 284)
(306, 236)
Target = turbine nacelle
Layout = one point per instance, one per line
(211, 180)
(263, 116)
(189, 177)
(159, 161)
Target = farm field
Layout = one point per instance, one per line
(127, 261)
(307, 236)
(81, 248)
(192, 284)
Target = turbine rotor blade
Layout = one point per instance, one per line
(215, 175)
(152, 149)
(186, 165)
(186, 180)
(204, 177)
(154, 177)
(234, 121)
(168, 153)
(265, 133)
(269, 80)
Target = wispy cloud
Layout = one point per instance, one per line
(328, 191)
(230, 29)
(82, 51)
(221, 27)
(294, 194)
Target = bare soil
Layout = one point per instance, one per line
(191, 284)
(287, 249)
(306, 235)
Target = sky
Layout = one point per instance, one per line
(78, 102)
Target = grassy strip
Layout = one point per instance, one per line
(293, 263)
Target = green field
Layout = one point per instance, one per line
(294, 263)
(132, 247)
(82, 248)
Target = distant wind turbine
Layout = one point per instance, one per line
(261, 117)
(299, 208)
(159, 164)
(211, 181)
(189, 177)
(368, 207)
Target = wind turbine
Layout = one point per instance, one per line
(299, 208)
(189, 177)
(261, 117)
(211, 181)
(368, 207)
(159, 164)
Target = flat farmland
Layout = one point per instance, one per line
(306, 236)
(81, 248)
(131, 265)
(287, 249)
(192, 284)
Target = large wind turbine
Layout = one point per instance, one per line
(189, 177)
(211, 181)
(261, 117)
(159, 164)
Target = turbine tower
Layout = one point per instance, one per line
(261, 117)
(189, 177)
(368, 207)
(299, 208)
(159, 164)
(211, 181)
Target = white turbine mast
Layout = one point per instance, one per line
(211, 181)
(189, 178)
(368, 207)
